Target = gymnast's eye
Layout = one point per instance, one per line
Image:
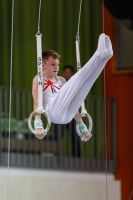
(54, 64)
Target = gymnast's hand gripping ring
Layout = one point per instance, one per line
(40, 110)
(85, 114)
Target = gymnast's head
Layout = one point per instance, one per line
(50, 62)
(50, 53)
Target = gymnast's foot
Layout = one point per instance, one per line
(105, 43)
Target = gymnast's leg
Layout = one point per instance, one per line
(72, 94)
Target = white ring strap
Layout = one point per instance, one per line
(83, 110)
(40, 109)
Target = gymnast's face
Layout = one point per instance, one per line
(50, 67)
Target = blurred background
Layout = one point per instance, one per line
(61, 160)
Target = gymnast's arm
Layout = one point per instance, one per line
(78, 118)
(39, 131)
(35, 95)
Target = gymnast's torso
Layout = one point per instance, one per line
(50, 89)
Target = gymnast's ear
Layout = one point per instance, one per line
(43, 65)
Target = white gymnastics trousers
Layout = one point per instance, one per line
(68, 100)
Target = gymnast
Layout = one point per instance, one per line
(61, 99)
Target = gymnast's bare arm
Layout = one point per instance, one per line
(39, 132)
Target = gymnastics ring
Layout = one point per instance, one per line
(39, 111)
(90, 124)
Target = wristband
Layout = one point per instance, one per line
(82, 127)
(38, 124)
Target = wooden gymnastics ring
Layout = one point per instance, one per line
(39, 111)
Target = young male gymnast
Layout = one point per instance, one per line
(61, 99)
